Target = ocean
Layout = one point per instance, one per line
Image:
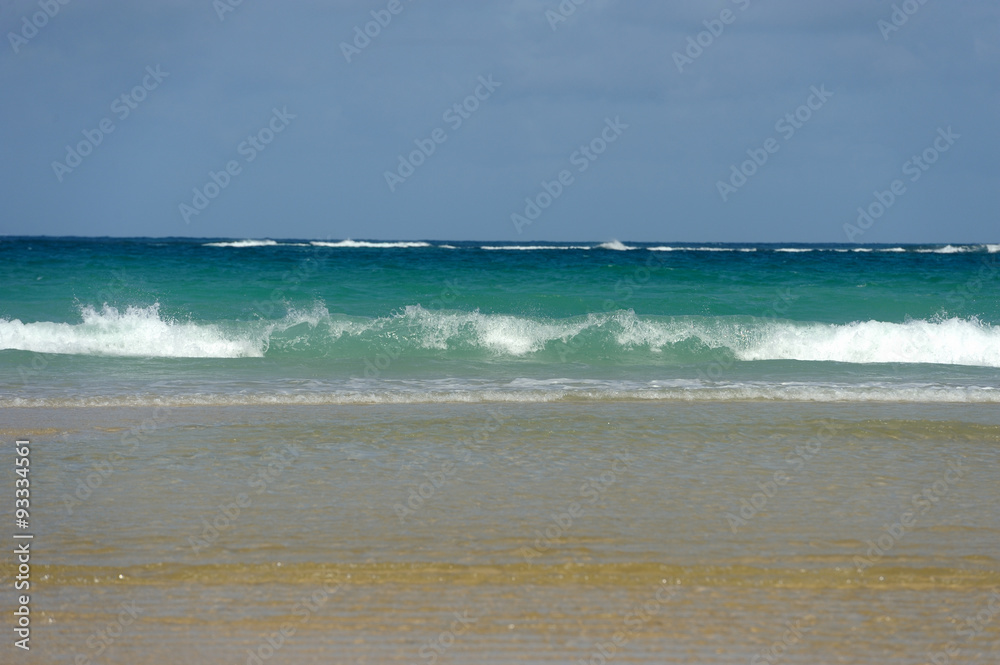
(314, 451)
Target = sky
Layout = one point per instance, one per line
(717, 121)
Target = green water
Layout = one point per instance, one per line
(448, 454)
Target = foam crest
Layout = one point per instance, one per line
(616, 246)
(630, 331)
(136, 332)
(526, 248)
(313, 317)
(952, 342)
(667, 248)
(515, 392)
(365, 244)
(947, 249)
(949, 342)
(243, 243)
(497, 333)
(622, 335)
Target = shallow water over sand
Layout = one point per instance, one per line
(469, 533)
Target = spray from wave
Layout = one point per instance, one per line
(612, 337)
(241, 244)
(615, 245)
(365, 244)
(528, 248)
(145, 332)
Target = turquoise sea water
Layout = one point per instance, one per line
(691, 450)
(215, 322)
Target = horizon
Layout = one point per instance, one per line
(596, 242)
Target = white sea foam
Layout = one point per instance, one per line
(949, 342)
(497, 333)
(667, 248)
(523, 391)
(524, 248)
(138, 331)
(947, 249)
(243, 243)
(146, 332)
(615, 245)
(993, 249)
(354, 244)
(952, 341)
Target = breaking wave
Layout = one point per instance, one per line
(365, 244)
(613, 337)
(244, 243)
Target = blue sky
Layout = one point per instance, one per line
(642, 124)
